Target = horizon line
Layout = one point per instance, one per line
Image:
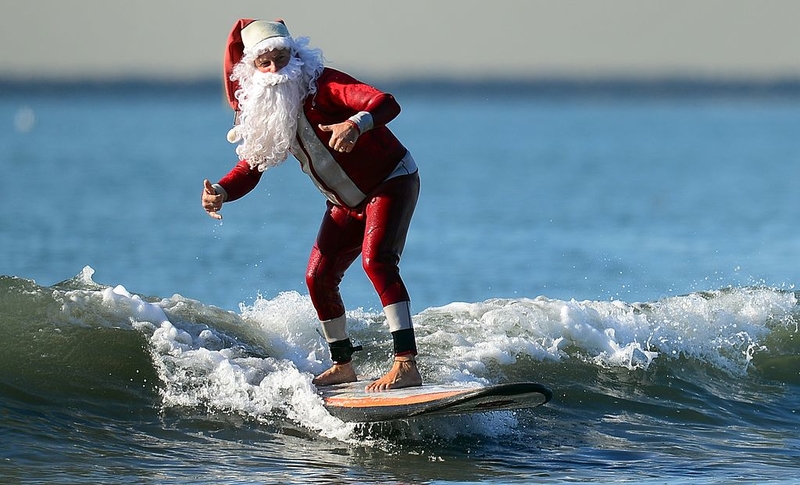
(553, 85)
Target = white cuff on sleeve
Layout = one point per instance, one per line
(363, 120)
(335, 330)
(398, 316)
(220, 191)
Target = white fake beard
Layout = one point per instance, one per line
(269, 104)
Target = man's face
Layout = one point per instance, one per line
(273, 61)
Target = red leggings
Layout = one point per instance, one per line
(377, 230)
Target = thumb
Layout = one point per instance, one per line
(209, 188)
(326, 127)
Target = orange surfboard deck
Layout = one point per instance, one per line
(350, 402)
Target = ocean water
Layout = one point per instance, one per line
(636, 254)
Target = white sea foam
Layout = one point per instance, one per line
(227, 380)
(290, 324)
(722, 328)
(198, 369)
(212, 366)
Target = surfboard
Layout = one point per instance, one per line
(350, 402)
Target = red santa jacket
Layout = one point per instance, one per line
(345, 178)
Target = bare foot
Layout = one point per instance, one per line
(337, 374)
(404, 373)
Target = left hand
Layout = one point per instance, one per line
(210, 200)
(343, 137)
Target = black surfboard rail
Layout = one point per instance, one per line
(349, 403)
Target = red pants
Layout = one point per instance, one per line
(377, 230)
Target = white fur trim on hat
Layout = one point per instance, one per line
(270, 45)
(261, 36)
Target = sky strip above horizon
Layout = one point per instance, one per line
(465, 39)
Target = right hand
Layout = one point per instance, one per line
(343, 135)
(211, 200)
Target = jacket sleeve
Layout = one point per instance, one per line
(240, 180)
(352, 94)
(383, 108)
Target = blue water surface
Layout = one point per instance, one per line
(638, 254)
(586, 198)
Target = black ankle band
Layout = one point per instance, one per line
(404, 342)
(342, 350)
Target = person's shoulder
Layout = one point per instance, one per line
(330, 74)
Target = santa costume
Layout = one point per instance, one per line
(371, 189)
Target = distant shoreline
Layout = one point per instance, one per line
(549, 87)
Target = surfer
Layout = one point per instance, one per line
(286, 101)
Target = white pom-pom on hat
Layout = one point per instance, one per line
(233, 135)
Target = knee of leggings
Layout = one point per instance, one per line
(377, 269)
(311, 280)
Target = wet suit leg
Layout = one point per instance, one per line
(378, 231)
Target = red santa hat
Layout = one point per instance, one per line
(251, 37)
